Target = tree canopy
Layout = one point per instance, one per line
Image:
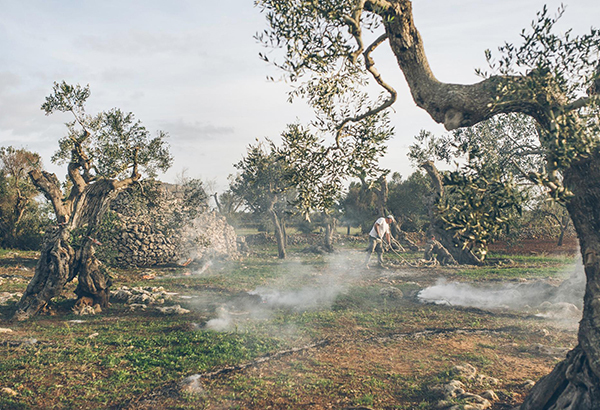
(552, 78)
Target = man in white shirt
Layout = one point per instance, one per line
(379, 233)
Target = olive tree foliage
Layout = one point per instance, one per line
(21, 219)
(264, 186)
(407, 200)
(485, 193)
(111, 144)
(552, 78)
(350, 129)
(559, 79)
(104, 153)
(319, 170)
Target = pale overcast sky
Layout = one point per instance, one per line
(191, 68)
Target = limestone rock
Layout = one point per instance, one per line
(7, 391)
(391, 292)
(466, 371)
(490, 395)
(451, 389)
(172, 310)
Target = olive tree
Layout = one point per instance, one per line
(17, 193)
(104, 154)
(552, 78)
(318, 168)
(483, 196)
(263, 186)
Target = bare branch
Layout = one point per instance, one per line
(370, 66)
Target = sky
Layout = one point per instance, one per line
(191, 68)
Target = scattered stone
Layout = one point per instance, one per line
(192, 385)
(391, 292)
(490, 395)
(465, 371)
(475, 401)
(121, 295)
(451, 389)
(528, 384)
(549, 350)
(172, 310)
(482, 379)
(84, 310)
(143, 298)
(93, 335)
(5, 330)
(543, 332)
(137, 306)
(7, 391)
(29, 342)
(7, 297)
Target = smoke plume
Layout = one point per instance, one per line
(563, 302)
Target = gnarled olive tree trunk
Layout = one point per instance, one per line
(460, 254)
(68, 250)
(575, 382)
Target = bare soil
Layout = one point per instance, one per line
(380, 354)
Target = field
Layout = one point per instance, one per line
(310, 332)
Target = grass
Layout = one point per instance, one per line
(116, 358)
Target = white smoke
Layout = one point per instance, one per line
(563, 302)
(321, 286)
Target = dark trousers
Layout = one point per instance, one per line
(375, 245)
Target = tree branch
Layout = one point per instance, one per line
(50, 187)
(453, 105)
(370, 66)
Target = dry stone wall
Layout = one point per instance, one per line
(143, 236)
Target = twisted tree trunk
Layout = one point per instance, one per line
(460, 254)
(575, 382)
(68, 250)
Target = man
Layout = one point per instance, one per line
(379, 233)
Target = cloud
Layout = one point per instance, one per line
(183, 131)
(141, 43)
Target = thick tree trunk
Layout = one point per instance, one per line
(574, 384)
(68, 252)
(279, 235)
(51, 274)
(461, 255)
(329, 230)
(382, 193)
(402, 238)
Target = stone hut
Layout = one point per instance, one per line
(163, 228)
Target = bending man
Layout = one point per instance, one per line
(379, 233)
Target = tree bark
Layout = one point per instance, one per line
(454, 105)
(51, 274)
(564, 225)
(68, 251)
(279, 235)
(329, 230)
(460, 254)
(575, 382)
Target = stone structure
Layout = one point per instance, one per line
(164, 230)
